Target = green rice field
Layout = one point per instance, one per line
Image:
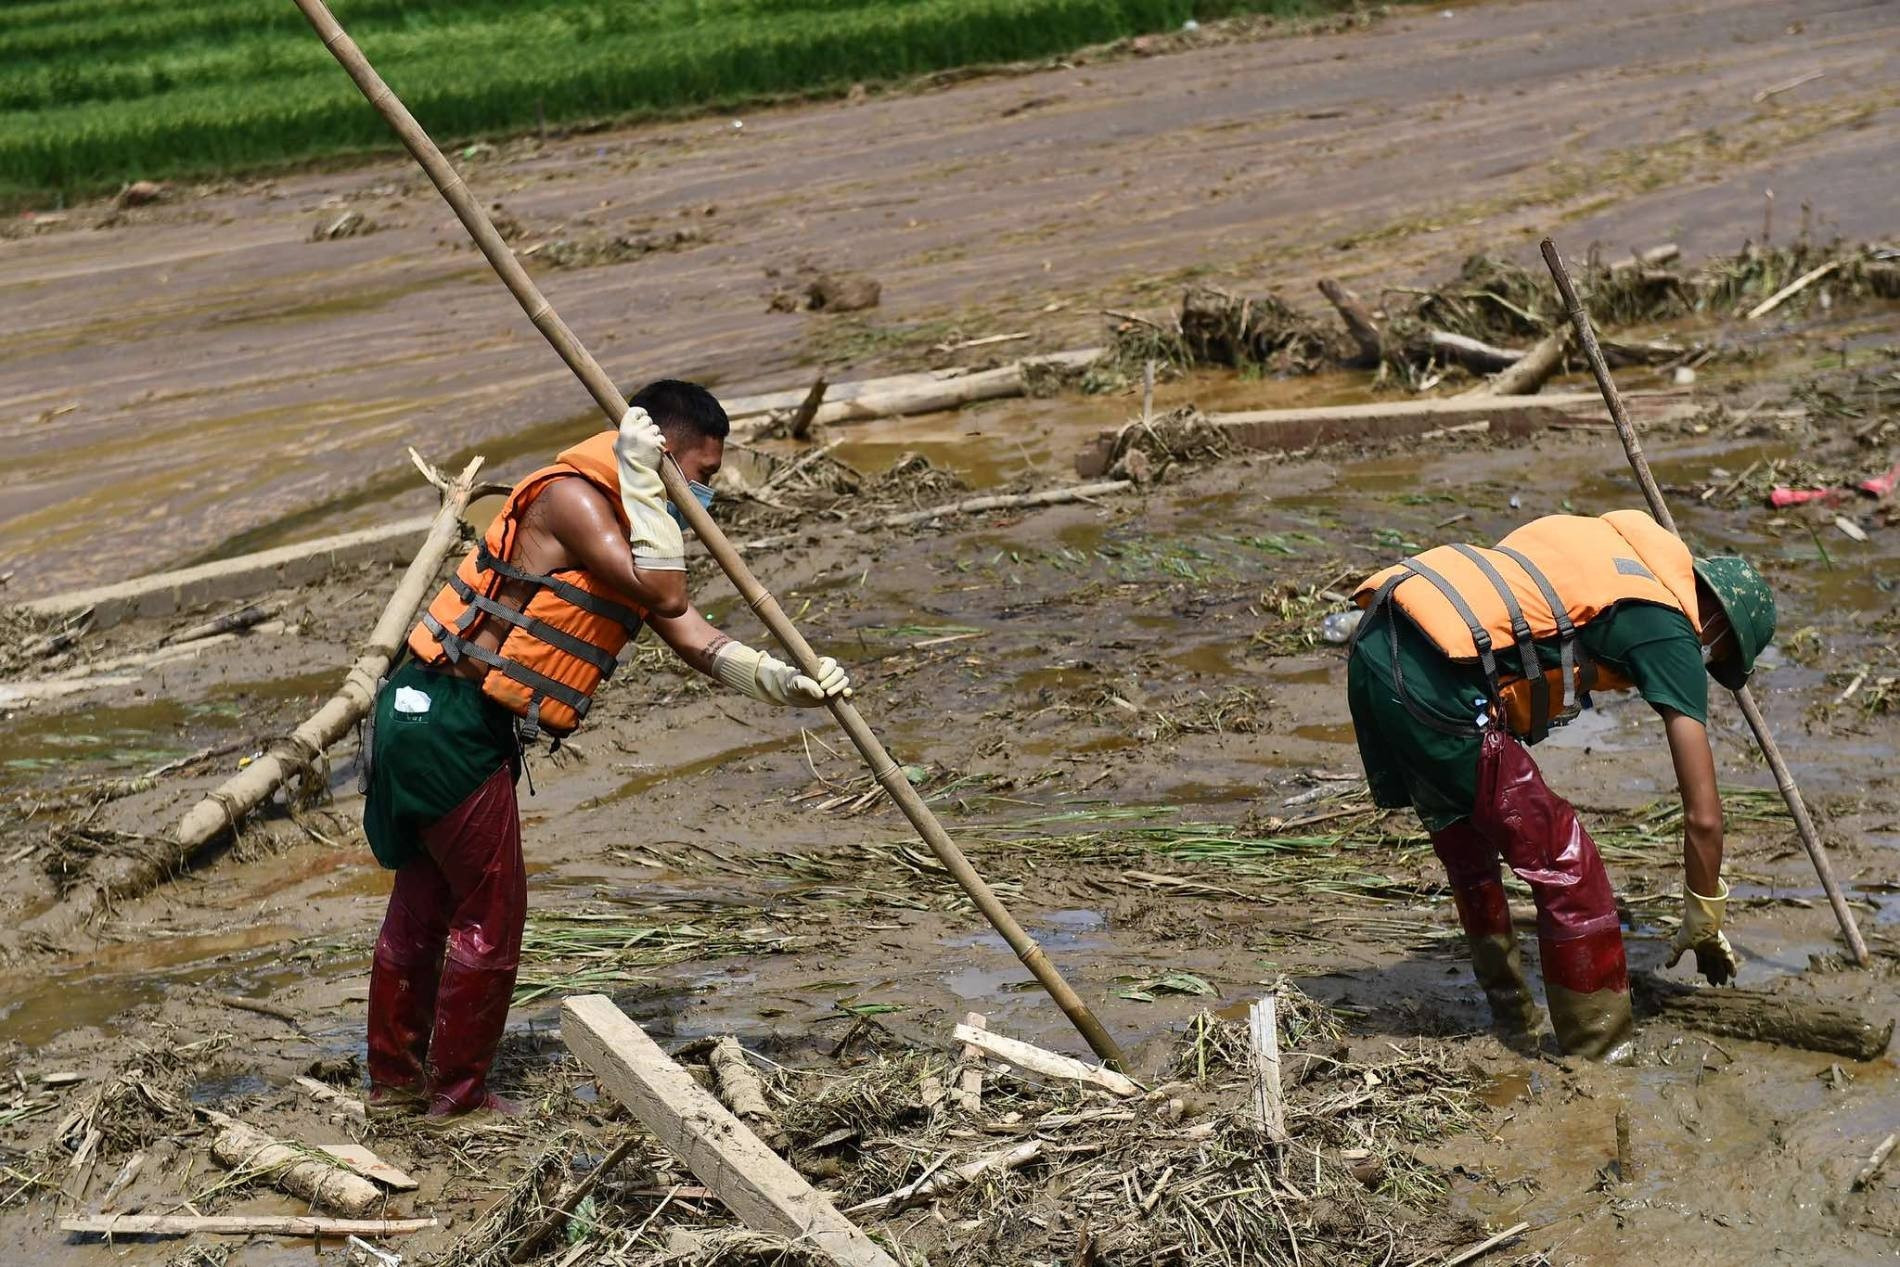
(97, 92)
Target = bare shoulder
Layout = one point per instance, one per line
(574, 505)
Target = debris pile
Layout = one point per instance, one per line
(1007, 1153)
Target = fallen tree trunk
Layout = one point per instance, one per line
(221, 810)
(755, 1183)
(1527, 375)
(298, 1171)
(928, 392)
(1766, 1018)
(239, 1225)
(1359, 323)
(1474, 354)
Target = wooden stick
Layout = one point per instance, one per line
(1008, 501)
(1633, 449)
(1263, 1028)
(1874, 1163)
(1012, 1051)
(742, 1091)
(299, 1171)
(565, 1206)
(1792, 289)
(230, 622)
(756, 1183)
(800, 426)
(239, 1225)
(1486, 1246)
(325, 1094)
(951, 1179)
(888, 772)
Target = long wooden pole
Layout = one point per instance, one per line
(888, 773)
(1633, 447)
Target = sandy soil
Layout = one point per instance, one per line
(991, 654)
(271, 380)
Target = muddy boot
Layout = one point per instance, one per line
(1587, 983)
(471, 1014)
(402, 986)
(1485, 914)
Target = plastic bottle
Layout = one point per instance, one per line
(1338, 626)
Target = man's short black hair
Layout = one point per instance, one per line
(675, 405)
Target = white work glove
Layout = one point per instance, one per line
(654, 537)
(1701, 932)
(752, 672)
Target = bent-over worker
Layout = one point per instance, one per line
(583, 553)
(1463, 652)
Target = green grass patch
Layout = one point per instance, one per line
(97, 92)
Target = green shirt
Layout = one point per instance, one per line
(1408, 762)
(437, 739)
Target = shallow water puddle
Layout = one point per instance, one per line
(124, 975)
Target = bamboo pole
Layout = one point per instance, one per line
(1633, 447)
(888, 773)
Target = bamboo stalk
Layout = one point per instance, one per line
(1633, 448)
(887, 772)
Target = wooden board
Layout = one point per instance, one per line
(370, 1166)
(755, 1183)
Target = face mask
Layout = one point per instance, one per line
(701, 494)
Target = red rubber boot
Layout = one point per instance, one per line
(402, 983)
(1471, 864)
(478, 848)
(1578, 932)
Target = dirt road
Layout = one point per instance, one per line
(174, 377)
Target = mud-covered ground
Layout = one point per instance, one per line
(1120, 708)
(271, 381)
(1091, 694)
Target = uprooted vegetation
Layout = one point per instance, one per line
(1483, 319)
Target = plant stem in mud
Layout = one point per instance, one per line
(888, 772)
(1633, 449)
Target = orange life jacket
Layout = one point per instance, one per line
(564, 642)
(1545, 580)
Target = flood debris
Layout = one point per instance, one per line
(757, 1184)
(323, 1181)
(1781, 1018)
(809, 288)
(351, 224)
(292, 758)
(307, 1226)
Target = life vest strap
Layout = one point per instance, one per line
(578, 647)
(1382, 603)
(1570, 650)
(539, 683)
(1528, 663)
(1479, 637)
(625, 616)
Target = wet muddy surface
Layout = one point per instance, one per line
(1123, 710)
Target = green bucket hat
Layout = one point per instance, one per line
(1750, 607)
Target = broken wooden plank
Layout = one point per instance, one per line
(755, 1183)
(298, 1171)
(239, 1225)
(1012, 1051)
(367, 1164)
(970, 1076)
(1767, 1018)
(1263, 1031)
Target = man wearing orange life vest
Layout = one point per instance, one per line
(583, 554)
(1462, 652)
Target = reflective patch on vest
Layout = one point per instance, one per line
(1630, 567)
